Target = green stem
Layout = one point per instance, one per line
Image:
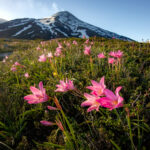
(17, 79)
(119, 117)
(139, 132)
(70, 127)
(6, 146)
(130, 132)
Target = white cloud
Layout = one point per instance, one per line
(11, 9)
(55, 7)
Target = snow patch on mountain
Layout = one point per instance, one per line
(24, 29)
(44, 25)
(62, 32)
(83, 33)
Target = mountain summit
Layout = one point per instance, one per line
(60, 25)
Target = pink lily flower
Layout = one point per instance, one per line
(59, 124)
(111, 100)
(6, 57)
(42, 58)
(111, 60)
(43, 43)
(87, 50)
(112, 53)
(47, 123)
(38, 48)
(97, 88)
(50, 55)
(101, 55)
(17, 64)
(92, 43)
(57, 52)
(65, 86)
(91, 101)
(87, 41)
(38, 96)
(119, 54)
(52, 108)
(13, 68)
(4, 60)
(59, 45)
(75, 42)
(68, 44)
(26, 75)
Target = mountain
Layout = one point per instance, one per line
(61, 24)
(2, 20)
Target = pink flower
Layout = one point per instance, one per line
(42, 58)
(47, 123)
(119, 54)
(17, 64)
(75, 42)
(97, 88)
(13, 68)
(111, 100)
(59, 124)
(111, 60)
(68, 44)
(59, 45)
(92, 43)
(101, 55)
(4, 60)
(112, 53)
(38, 48)
(52, 108)
(26, 75)
(6, 57)
(87, 41)
(38, 96)
(91, 101)
(65, 86)
(57, 52)
(87, 50)
(50, 55)
(43, 43)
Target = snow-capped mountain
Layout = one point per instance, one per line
(61, 24)
(2, 20)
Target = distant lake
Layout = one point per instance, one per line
(2, 55)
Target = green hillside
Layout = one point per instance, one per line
(121, 123)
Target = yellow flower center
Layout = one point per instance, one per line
(100, 91)
(115, 102)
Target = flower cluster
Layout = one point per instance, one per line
(101, 96)
(118, 54)
(65, 86)
(14, 66)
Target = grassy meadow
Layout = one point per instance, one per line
(66, 125)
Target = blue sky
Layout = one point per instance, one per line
(126, 17)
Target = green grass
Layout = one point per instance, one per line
(128, 128)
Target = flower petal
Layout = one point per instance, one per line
(31, 97)
(35, 91)
(110, 94)
(117, 90)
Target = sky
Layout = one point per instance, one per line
(126, 17)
